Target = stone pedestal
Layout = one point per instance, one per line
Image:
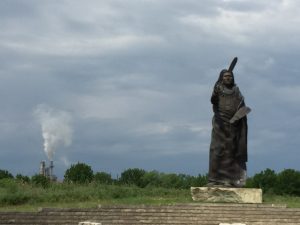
(222, 194)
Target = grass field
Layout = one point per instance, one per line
(25, 197)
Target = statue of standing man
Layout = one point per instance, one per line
(228, 148)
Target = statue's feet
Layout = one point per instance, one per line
(211, 184)
(219, 184)
(228, 184)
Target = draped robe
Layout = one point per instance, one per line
(228, 148)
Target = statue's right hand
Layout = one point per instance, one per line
(217, 88)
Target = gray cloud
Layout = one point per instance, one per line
(137, 77)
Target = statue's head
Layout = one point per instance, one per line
(227, 78)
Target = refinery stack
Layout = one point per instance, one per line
(47, 171)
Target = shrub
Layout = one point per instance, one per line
(154, 178)
(184, 181)
(151, 179)
(10, 193)
(288, 182)
(200, 181)
(132, 176)
(80, 173)
(266, 180)
(22, 179)
(171, 180)
(40, 181)
(5, 174)
(9, 185)
(249, 183)
(14, 199)
(103, 178)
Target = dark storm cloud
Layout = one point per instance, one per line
(136, 76)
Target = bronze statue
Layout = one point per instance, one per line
(228, 148)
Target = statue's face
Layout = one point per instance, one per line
(227, 78)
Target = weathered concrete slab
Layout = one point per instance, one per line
(232, 224)
(88, 223)
(222, 194)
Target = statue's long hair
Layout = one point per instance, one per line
(219, 81)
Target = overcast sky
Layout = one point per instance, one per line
(134, 80)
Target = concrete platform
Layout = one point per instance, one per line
(172, 214)
(222, 194)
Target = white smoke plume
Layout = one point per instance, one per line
(56, 128)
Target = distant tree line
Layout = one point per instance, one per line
(82, 173)
(286, 182)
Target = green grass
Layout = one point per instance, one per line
(25, 197)
(290, 201)
(15, 196)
